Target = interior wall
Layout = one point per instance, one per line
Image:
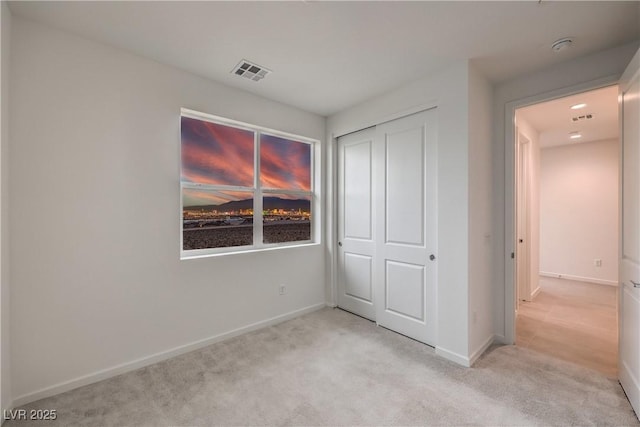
(97, 284)
(449, 91)
(605, 65)
(5, 342)
(480, 214)
(534, 205)
(579, 211)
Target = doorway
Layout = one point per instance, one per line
(567, 171)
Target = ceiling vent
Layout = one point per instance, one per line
(250, 71)
(581, 118)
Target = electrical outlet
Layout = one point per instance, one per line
(282, 290)
(597, 262)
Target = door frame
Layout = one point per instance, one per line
(510, 159)
(523, 220)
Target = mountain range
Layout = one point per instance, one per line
(268, 203)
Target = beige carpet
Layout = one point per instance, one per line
(333, 368)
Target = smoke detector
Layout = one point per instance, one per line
(561, 44)
(250, 70)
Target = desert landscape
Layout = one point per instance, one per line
(242, 235)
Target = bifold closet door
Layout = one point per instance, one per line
(406, 226)
(356, 219)
(387, 224)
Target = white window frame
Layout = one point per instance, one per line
(258, 191)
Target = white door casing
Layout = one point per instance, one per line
(510, 159)
(356, 220)
(405, 285)
(629, 286)
(523, 231)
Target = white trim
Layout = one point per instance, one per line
(499, 339)
(453, 356)
(480, 351)
(196, 254)
(509, 187)
(579, 278)
(332, 228)
(158, 357)
(535, 292)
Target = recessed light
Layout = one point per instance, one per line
(578, 106)
(575, 136)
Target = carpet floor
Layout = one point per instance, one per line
(333, 368)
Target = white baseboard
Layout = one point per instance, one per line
(579, 278)
(485, 345)
(500, 339)
(155, 358)
(464, 360)
(453, 356)
(535, 292)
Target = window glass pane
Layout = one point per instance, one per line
(216, 219)
(284, 163)
(216, 154)
(286, 218)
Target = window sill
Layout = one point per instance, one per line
(230, 252)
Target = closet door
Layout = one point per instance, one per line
(406, 226)
(356, 219)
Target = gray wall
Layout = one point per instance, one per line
(97, 283)
(5, 342)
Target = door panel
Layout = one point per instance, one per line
(629, 316)
(405, 187)
(357, 272)
(407, 220)
(356, 250)
(403, 283)
(357, 188)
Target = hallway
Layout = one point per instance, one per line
(574, 321)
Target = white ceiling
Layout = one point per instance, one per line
(327, 56)
(553, 119)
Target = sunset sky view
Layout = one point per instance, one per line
(222, 155)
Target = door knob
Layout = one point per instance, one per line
(635, 284)
(432, 257)
(340, 244)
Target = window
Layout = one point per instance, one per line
(243, 187)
